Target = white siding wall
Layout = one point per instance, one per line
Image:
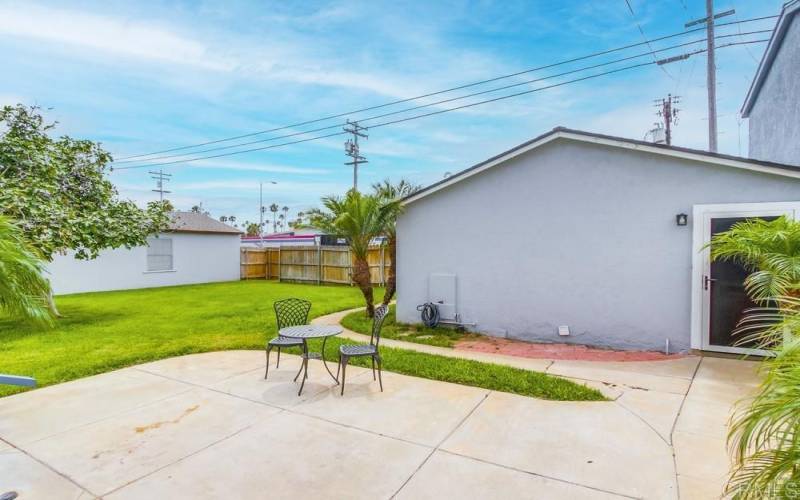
(197, 258)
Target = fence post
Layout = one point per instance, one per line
(349, 267)
(383, 265)
(319, 264)
(280, 265)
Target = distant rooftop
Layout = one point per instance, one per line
(195, 222)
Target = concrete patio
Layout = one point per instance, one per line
(209, 426)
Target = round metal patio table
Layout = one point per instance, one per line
(305, 332)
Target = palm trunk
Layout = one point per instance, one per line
(391, 279)
(362, 279)
(51, 304)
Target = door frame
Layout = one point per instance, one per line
(701, 227)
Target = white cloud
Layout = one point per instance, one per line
(106, 34)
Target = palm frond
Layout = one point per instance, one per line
(765, 436)
(24, 292)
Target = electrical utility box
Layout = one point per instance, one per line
(442, 292)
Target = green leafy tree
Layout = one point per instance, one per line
(24, 292)
(393, 193)
(360, 218)
(252, 228)
(57, 190)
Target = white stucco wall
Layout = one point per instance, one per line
(571, 234)
(197, 258)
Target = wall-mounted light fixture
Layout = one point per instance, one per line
(681, 219)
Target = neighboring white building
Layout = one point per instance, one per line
(196, 249)
(773, 101)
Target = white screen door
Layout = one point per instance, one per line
(719, 286)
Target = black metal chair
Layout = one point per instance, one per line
(351, 351)
(288, 312)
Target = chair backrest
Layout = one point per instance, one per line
(291, 312)
(377, 322)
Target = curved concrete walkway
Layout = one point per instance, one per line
(209, 426)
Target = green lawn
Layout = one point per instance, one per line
(104, 331)
(442, 337)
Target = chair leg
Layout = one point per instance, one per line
(266, 372)
(373, 368)
(278, 363)
(338, 367)
(345, 359)
(380, 380)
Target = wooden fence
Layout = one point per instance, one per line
(310, 264)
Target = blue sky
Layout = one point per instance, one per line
(149, 75)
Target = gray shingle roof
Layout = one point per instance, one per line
(193, 222)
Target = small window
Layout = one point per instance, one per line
(159, 254)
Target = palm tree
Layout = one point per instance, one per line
(770, 250)
(251, 228)
(393, 192)
(274, 209)
(24, 291)
(765, 435)
(360, 218)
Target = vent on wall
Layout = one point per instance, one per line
(442, 292)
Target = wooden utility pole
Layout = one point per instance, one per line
(160, 177)
(711, 69)
(351, 149)
(711, 79)
(668, 114)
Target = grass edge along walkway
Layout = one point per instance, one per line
(444, 368)
(468, 372)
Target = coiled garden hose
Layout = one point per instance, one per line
(430, 314)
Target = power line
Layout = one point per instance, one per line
(436, 103)
(433, 113)
(430, 94)
(644, 37)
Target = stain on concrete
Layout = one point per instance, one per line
(156, 425)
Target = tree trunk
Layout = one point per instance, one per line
(362, 279)
(391, 279)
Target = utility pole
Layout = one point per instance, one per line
(668, 114)
(711, 69)
(160, 177)
(351, 148)
(711, 79)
